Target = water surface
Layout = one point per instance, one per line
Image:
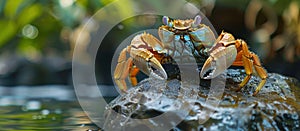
(42, 108)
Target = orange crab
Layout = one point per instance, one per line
(182, 40)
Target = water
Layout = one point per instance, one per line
(42, 108)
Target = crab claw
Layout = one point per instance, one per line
(220, 59)
(156, 70)
(147, 63)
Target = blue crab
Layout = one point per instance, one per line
(182, 40)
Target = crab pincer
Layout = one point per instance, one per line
(221, 57)
(228, 51)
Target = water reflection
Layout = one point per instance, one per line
(42, 110)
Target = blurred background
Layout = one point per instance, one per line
(37, 37)
(37, 40)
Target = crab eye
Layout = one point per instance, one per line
(197, 21)
(165, 20)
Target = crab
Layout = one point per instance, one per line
(182, 40)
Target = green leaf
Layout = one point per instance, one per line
(29, 14)
(8, 31)
(83, 3)
(11, 7)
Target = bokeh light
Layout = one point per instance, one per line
(66, 3)
(30, 31)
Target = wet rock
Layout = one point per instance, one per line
(179, 105)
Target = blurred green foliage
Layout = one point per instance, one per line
(278, 5)
(36, 27)
(33, 28)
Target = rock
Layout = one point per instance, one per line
(175, 105)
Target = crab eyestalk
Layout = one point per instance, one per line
(197, 21)
(166, 21)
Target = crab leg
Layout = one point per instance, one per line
(122, 70)
(132, 75)
(247, 63)
(251, 60)
(261, 73)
